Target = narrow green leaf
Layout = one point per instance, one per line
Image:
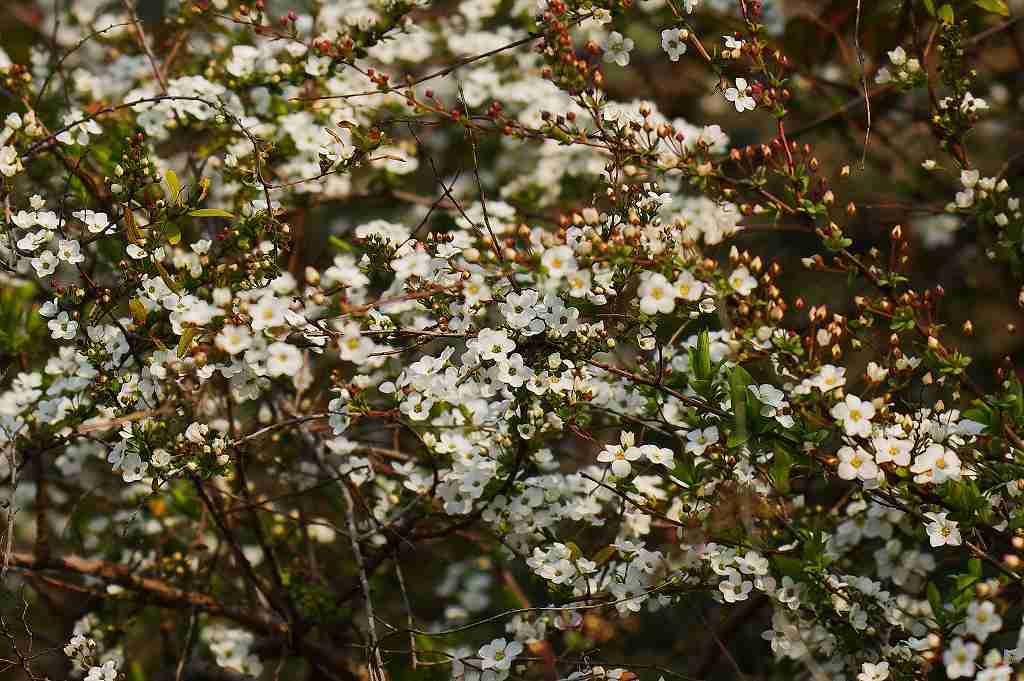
(934, 598)
(995, 6)
(702, 369)
(186, 341)
(174, 185)
(930, 6)
(211, 213)
(739, 379)
(781, 463)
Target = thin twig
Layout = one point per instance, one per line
(376, 662)
(863, 84)
(145, 45)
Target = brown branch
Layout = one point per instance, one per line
(162, 594)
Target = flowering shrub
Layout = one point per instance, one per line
(386, 339)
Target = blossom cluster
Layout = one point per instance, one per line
(303, 300)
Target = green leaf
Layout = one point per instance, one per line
(185, 344)
(995, 6)
(930, 6)
(979, 414)
(946, 14)
(174, 185)
(791, 567)
(781, 463)
(138, 310)
(702, 365)
(739, 379)
(173, 233)
(211, 213)
(934, 598)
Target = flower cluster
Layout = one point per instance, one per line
(376, 325)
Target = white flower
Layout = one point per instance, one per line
(50, 308)
(620, 455)
(196, 433)
(559, 261)
(969, 178)
(739, 97)
(982, 619)
(499, 654)
(234, 339)
(62, 327)
(673, 41)
(476, 290)
(959, 658)
(942, 532)
(898, 57)
(79, 130)
(10, 164)
(892, 449)
(856, 463)
(971, 104)
(354, 346)
(733, 47)
(662, 456)
(698, 440)
(578, 283)
(34, 240)
(770, 397)
(734, 588)
(70, 251)
(136, 252)
(494, 344)
(656, 294)
(160, 459)
(855, 415)
(283, 359)
(790, 593)
(876, 373)
(45, 264)
(688, 287)
(741, 281)
(513, 371)
(829, 377)
(94, 222)
(936, 464)
(108, 672)
(268, 312)
(617, 48)
(132, 467)
(873, 672)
